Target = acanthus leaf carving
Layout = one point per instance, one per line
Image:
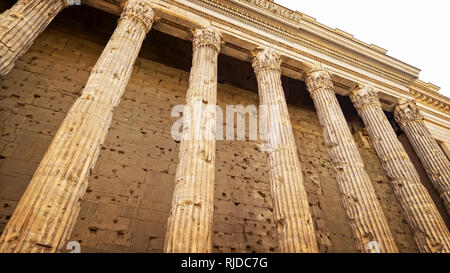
(318, 78)
(139, 10)
(207, 37)
(266, 58)
(363, 96)
(407, 111)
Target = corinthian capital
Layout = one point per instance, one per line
(207, 37)
(266, 58)
(407, 111)
(363, 96)
(318, 78)
(68, 2)
(139, 10)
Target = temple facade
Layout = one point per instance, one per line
(357, 158)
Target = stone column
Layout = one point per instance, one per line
(21, 24)
(48, 209)
(427, 149)
(364, 211)
(430, 232)
(291, 208)
(189, 227)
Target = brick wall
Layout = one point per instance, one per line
(130, 189)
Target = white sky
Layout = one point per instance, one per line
(416, 32)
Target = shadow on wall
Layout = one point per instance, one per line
(424, 178)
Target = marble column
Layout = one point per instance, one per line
(364, 211)
(427, 149)
(430, 232)
(49, 207)
(21, 24)
(189, 227)
(291, 208)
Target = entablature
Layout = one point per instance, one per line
(301, 40)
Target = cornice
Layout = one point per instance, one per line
(302, 29)
(302, 21)
(300, 35)
(425, 95)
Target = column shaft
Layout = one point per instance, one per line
(430, 231)
(364, 211)
(189, 227)
(291, 208)
(48, 209)
(427, 149)
(21, 24)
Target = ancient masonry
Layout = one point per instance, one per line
(358, 160)
(291, 212)
(358, 196)
(189, 227)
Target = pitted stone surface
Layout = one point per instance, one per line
(189, 227)
(364, 210)
(46, 213)
(430, 232)
(432, 156)
(291, 210)
(125, 208)
(20, 25)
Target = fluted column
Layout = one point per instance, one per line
(427, 149)
(291, 208)
(430, 232)
(189, 227)
(364, 211)
(21, 24)
(48, 209)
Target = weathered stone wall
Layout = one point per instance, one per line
(35, 97)
(424, 178)
(383, 188)
(331, 224)
(243, 211)
(130, 189)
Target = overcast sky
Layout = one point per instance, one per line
(416, 32)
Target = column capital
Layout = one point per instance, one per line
(207, 37)
(317, 77)
(139, 10)
(190, 223)
(291, 210)
(407, 111)
(363, 96)
(266, 58)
